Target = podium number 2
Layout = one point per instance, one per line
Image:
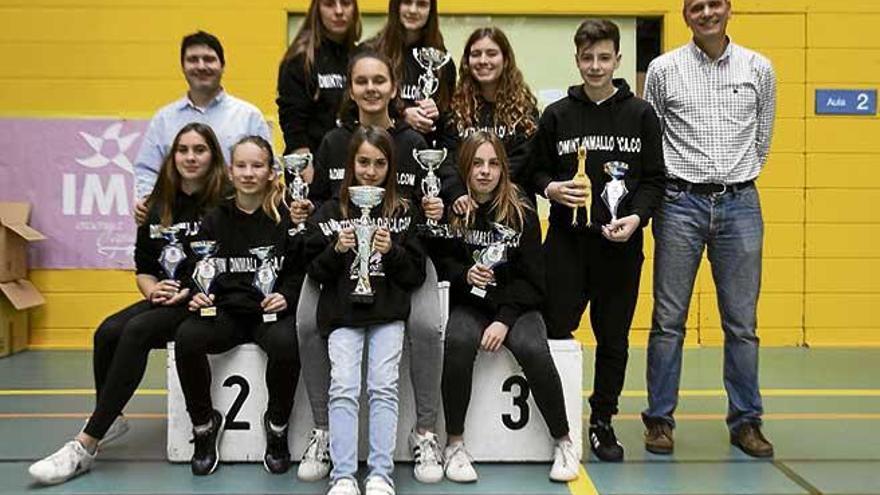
(520, 401)
(244, 389)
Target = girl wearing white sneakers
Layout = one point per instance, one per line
(192, 179)
(395, 268)
(491, 307)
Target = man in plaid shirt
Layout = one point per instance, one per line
(716, 103)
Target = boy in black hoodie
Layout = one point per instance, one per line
(595, 256)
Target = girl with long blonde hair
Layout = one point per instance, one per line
(252, 230)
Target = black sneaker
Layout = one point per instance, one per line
(277, 457)
(603, 442)
(206, 454)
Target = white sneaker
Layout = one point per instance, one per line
(377, 486)
(566, 464)
(70, 460)
(344, 486)
(457, 465)
(315, 462)
(118, 428)
(426, 454)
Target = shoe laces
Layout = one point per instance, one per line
(604, 433)
(658, 430)
(459, 451)
(317, 449)
(72, 452)
(427, 450)
(566, 453)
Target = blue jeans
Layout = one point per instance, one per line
(730, 226)
(384, 348)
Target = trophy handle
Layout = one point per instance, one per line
(429, 84)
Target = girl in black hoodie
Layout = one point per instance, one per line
(311, 77)
(491, 306)
(396, 267)
(253, 218)
(372, 88)
(492, 95)
(415, 24)
(191, 180)
(598, 262)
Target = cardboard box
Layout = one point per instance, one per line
(17, 297)
(15, 234)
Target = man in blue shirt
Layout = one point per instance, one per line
(203, 62)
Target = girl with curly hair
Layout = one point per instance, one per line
(492, 95)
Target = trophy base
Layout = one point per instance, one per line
(209, 311)
(481, 293)
(269, 317)
(362, 298)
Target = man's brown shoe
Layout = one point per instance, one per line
(658, 438)
(751, 441)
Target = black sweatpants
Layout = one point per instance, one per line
(199, 336)
(122, 345)
(584, 267)
(526, 340)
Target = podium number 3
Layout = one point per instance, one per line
(520, 400)
(244, 389)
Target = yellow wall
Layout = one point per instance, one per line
(119, 58)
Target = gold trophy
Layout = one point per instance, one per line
(582, 179)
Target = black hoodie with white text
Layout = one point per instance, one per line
(236, 233)
(330, 165)
(393, 276)
(187, 212)
(519, 280)
(622, 128)
(308, 104)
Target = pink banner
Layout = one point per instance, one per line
(77, 174)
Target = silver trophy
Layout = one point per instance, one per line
(431, 59)
(298, 188)
(495, 253)
(266, 276)
(615, 189)
(430, 160)
(364, 197)
(205, 271)
(172, 254)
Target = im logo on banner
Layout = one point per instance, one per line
(78, 175)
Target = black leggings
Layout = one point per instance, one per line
(122, 344)
(198, 336)
(526, 340)
(584, 267)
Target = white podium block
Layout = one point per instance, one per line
(503, 422)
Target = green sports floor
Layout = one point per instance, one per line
(823, 415)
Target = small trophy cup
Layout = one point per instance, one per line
(205, 271)
(172, 254)
(495, 253)
(430, 160)
(615, 189)
(431, 59)
(298, 188)
(266, 276)
(581, 178)
(365, 197)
